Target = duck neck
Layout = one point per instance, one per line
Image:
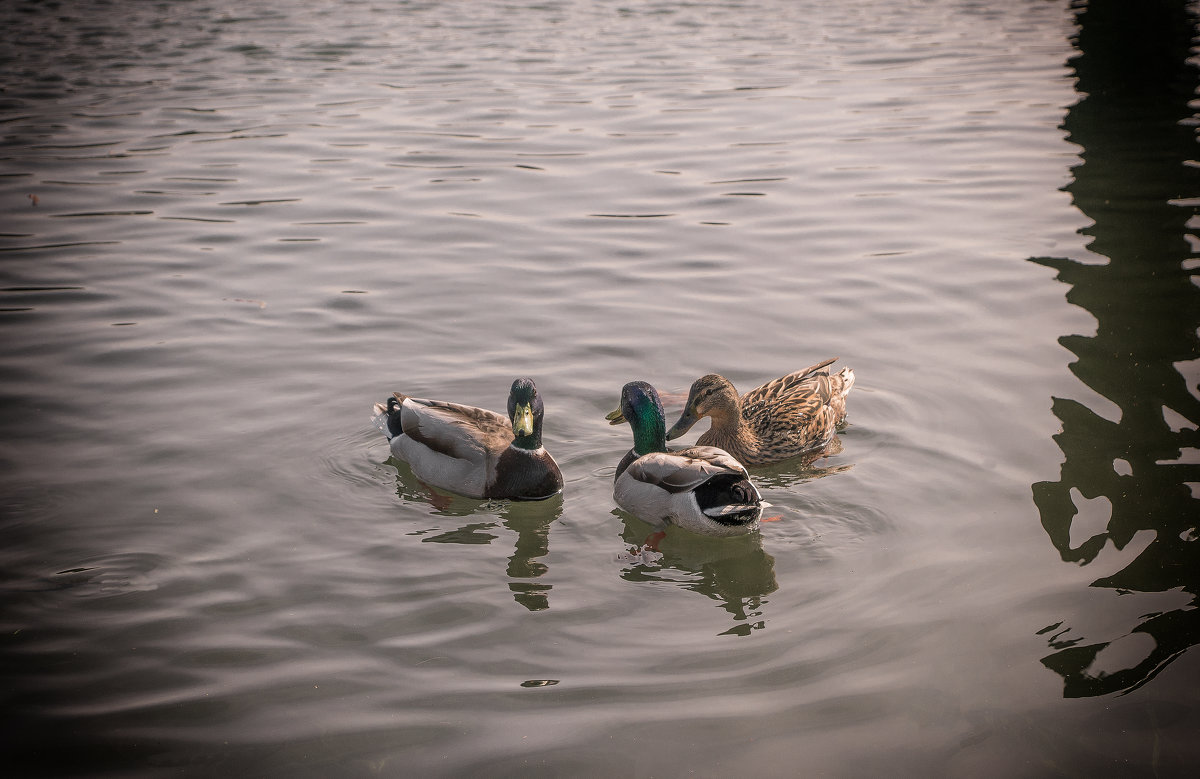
(650, 435)
(531, 441)
(726, 413)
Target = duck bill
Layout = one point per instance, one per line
(615, 417)
(522, 421)
(686, 420)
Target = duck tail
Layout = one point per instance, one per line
(387, 415)
(847, 377)
(727, 497)
(733, 512)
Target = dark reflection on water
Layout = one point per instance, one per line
(1136, 127)
(736, 572)
(530, 521)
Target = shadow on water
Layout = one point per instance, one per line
(1137, 131)
(529, 520)
(736, 572)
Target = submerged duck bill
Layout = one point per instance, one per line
(615, 417)
(523, 420)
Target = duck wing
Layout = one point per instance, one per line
(797, 413)
(462, 432)
(812, 381)
(685, 470)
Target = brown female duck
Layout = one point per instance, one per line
(793, 416)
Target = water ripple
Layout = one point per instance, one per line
(213, 565)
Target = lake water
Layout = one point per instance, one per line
(229, 228)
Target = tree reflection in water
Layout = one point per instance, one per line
(1137, 131)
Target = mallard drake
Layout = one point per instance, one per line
(793, 416)
(701, 488)
(473, 451)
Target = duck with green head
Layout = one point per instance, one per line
(472, 451)
(702, 489)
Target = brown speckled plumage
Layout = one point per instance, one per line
(795, 415)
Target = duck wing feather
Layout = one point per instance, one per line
(684, 470)
(803, 382)
(463, 432)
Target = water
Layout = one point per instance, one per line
(254, 220)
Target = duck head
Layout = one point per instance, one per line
(710, 396)
(642, 409)
(525, 410)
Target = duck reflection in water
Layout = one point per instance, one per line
(1133, 121)
(529, 520)
(733, 567)
(736, 572)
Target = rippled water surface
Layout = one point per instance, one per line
(229, 228)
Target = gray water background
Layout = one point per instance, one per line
(226, 229)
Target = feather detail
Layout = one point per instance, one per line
(795, 415)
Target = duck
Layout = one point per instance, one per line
(701, 488)
(795, 415)
(472, 451)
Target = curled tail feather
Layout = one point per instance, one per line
(847, 376)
